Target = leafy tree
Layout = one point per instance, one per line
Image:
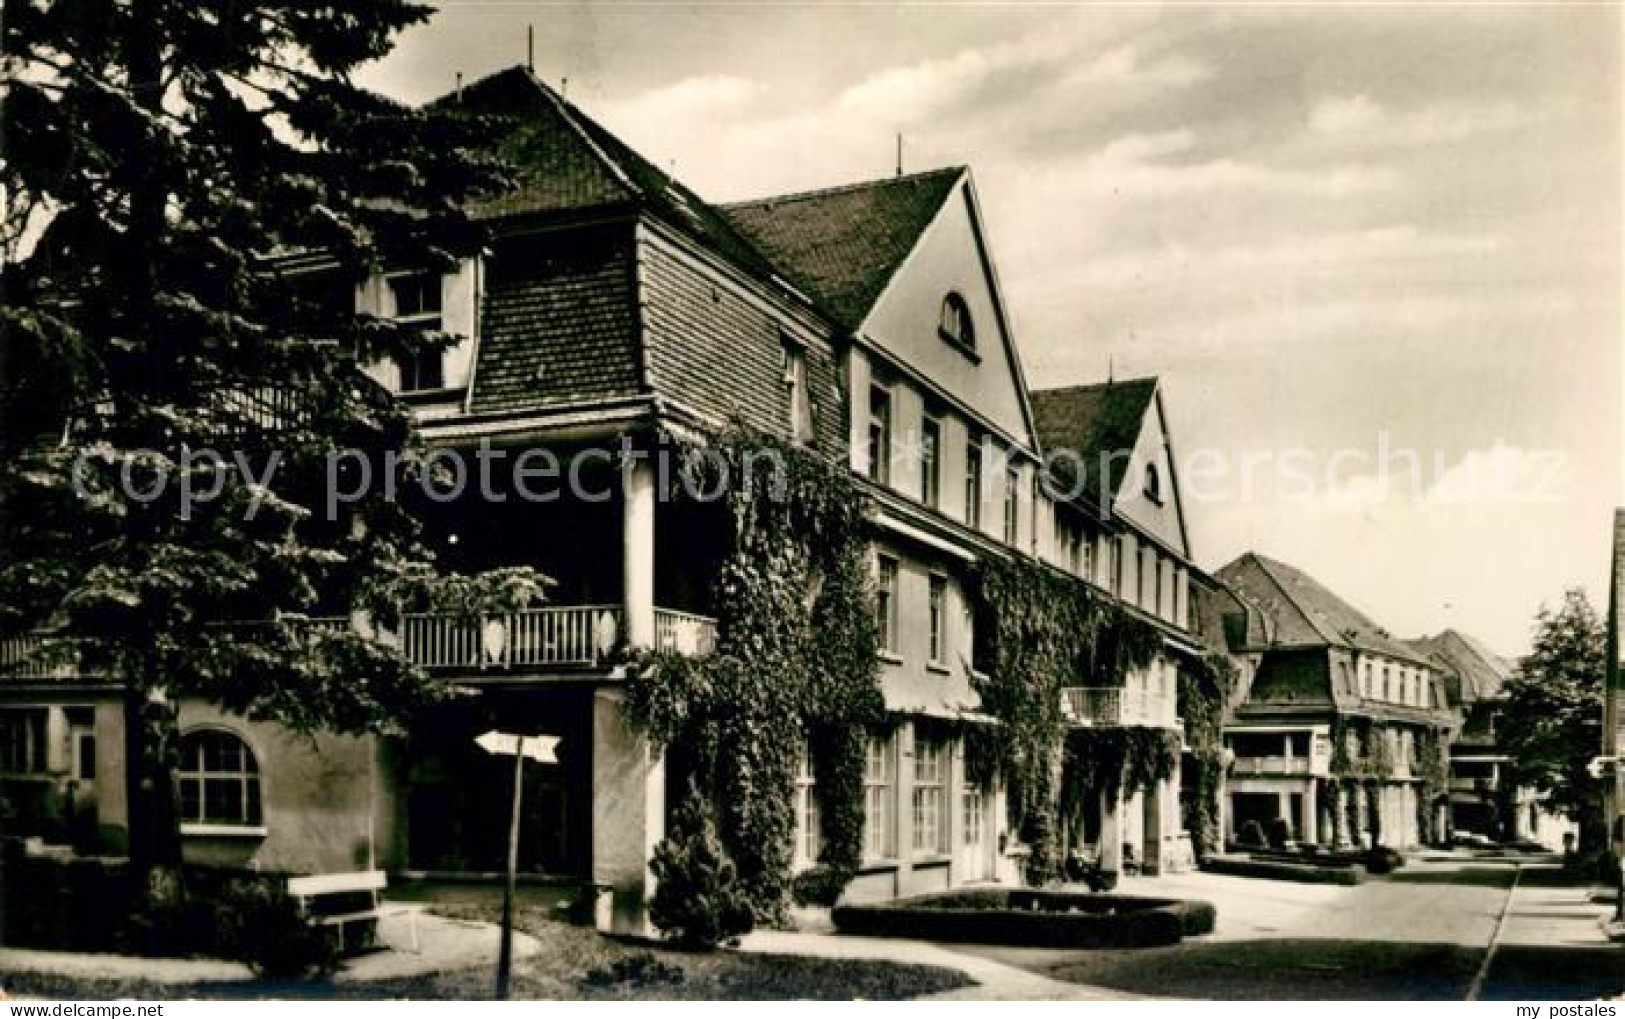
(163, 159)
(1551, 722)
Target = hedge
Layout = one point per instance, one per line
(1042, 919)
(1280, 870)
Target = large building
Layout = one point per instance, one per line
(1341, 725)
(613, 305)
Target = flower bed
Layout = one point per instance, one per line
(1002, 916)
(1328, 873)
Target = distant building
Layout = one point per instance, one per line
(1482, 800)
(1341, 724)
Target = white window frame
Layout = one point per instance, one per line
(929, 797)
(973, 483)
(250, 816)
(887, 572)
(809, 832)
(880, 422)
(879, 789)
(937, 618)
(796, 389)
(433, 320)
(931, 460)
(1012, 505)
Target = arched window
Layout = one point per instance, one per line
(1153, 483)
(219, 780)
(955, 325)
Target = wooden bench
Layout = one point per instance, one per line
(364, 888)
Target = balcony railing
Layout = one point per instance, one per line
(1110, 705)
(563, 636)
(1272, 766)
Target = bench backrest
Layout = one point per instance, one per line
(337, 884)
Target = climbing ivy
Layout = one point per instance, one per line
(796, 658)
(1112, 761)
(1206, 684)
(1039, 631)
(1433, 770)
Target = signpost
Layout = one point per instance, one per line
(537, 748)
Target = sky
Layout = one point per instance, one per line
(1373, 252)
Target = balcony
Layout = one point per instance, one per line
(1101, 706)
(572, 636)
(1272, 766)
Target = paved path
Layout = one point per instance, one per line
(445, 944)
(1422, 933)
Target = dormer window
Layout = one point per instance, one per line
(417, 303)
(955, 324)
(1153, 483)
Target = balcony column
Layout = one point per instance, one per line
(628, 816)
(638, 551)
(1111, 833)
(1151, 799)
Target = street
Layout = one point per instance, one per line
(1421, 933)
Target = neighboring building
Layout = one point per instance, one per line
(1338, 718)
(1482, 800)
(1613, 732)
(613, 303)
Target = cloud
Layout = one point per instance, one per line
(1360, 120)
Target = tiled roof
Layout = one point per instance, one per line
(841, 246)
(1481, 671)
(1100, 424)
(1305, 612)
(567, 162)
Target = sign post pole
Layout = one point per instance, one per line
(505, 958)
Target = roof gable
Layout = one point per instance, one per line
(565, 161)
(842, 246)
(1481, 672)
(1305, 612)
(1098, 426)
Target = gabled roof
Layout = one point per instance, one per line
(1305, 612)
(1481, 671)
(1099, 424)
(567, 162)
(841, 246)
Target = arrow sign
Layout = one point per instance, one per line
(537, 748)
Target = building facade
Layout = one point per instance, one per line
(613, 310)
(1341, 726)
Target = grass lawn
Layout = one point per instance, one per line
(572, 963)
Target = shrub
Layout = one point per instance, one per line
(819, 886)
(261, 924)
(1383, 860)
(699, 901)
(1282, 870)
(1252, 834)
(1280, 833)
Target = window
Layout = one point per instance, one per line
(1148, 578)
(795, 385)
(219, 780)
(973, 483)
(1153, 483)
(930, 787)
(886, 604)
(955, 325)
(879, 434)
(417, 302)
(808, 835)
(22, 741)
(1087, 551)
(930, 460)
(939, 620)
(1012, 485)
(974, 805)
(1387, 690)
(878, 842)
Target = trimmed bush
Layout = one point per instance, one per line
(1383, 860)
(1028, 917)
(819, 886)
(1283, 870)
(699, 901)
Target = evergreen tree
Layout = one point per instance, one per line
(163, 162)
(1551, 722)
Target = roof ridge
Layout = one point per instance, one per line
(836, 189)
(1089, 386)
